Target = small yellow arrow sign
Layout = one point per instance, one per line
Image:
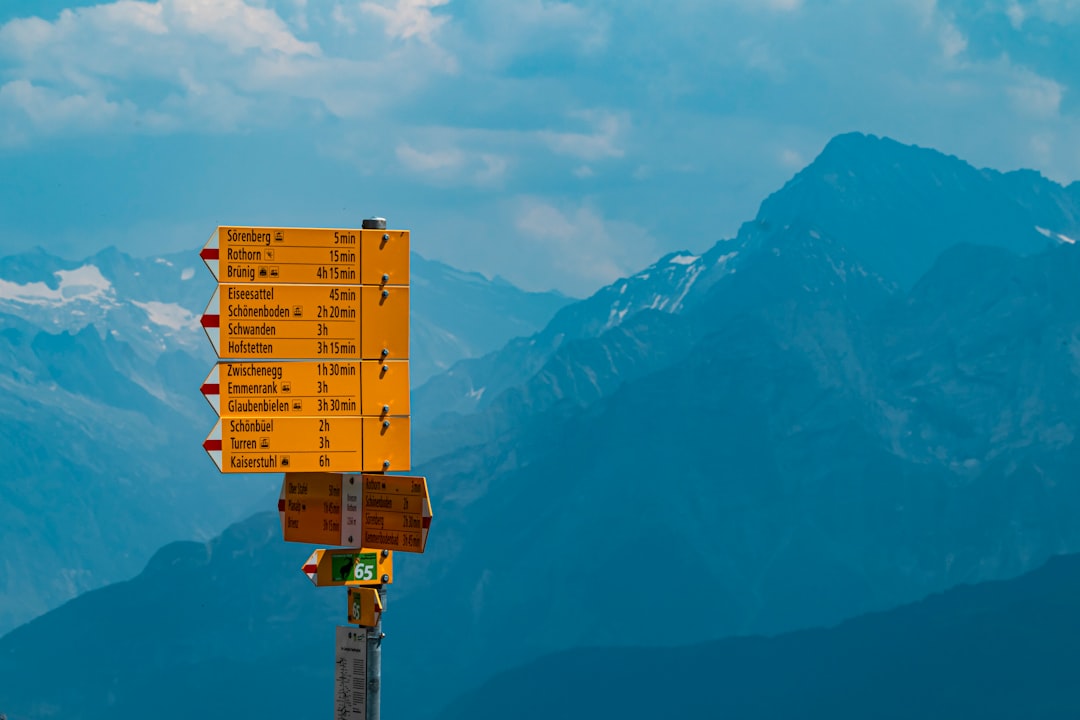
(327, 568)
(365, 606)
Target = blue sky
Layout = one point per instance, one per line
(558, 144)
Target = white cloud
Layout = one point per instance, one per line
(695, 110)
(217, 65)
(236, 25)
(49, 111)
(1035, 95)
(601, 143)
(773, 6)
(496, 33)
(759, 56)
(449, 164)
(792, 159)
(447, 159)
(493, 169)
(782, 5)
(1057, 11)
(952, 40)
(342, 20)
(1016, 15)
(583, 247)
(406, 19)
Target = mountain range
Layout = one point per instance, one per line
(867, 396)
(1003, 649)
(102, 424)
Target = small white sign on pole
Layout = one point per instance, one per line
(350, 674)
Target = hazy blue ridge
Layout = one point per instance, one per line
(227, 627)
(1002, 649)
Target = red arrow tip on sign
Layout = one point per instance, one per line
(211, 389)
(212, 444)
(209, 253)
(211, 321)
(309, 569)
(281, 505)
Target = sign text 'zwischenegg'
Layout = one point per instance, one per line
(309, 387)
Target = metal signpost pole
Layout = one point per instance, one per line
(374, 662)
(375, 634)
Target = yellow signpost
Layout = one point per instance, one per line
(364, 566)
(396, 511)
(312, 327)
(311, 510)
(365, 606)
(388, 512)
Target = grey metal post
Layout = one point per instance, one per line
(374, 663)
(375, 634)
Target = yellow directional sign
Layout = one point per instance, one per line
(269, 322)
(309, 444)
(312, 256)
(365, 606)
(311, 510)
(350, 567)
(322, 388)
(396, 510)
(371, 510)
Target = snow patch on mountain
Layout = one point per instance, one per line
(84, 283)
(616, 315)
(168, 315)
(691, 275)
(1060, 237)
(665, 285)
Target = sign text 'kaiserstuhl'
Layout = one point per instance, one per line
(309, 444)
(308, 256)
